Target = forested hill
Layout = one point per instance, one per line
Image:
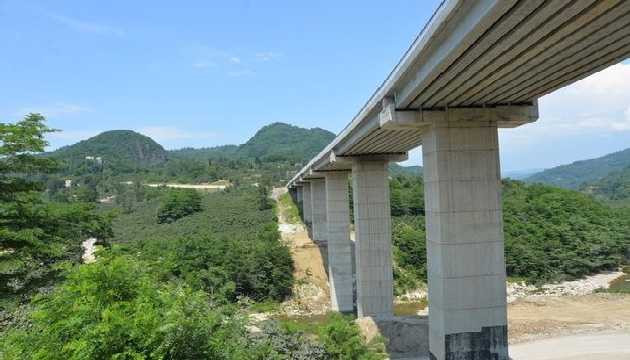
(579, 173)
(277, 141)
(206, 153)
(115, 144)
(615, 187)
(283, 140)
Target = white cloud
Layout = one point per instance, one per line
(625, 124)
(54, 109)
(268, 55)
(82, 26)
(209, 57)
(206, 64)
(165, 133)
(205, 56)
(200, 50)
(241, 73)
(597, 105)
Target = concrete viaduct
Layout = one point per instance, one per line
(477, 66)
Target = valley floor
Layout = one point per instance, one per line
(539, 322)
(545, 317)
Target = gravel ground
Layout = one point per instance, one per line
(609, 346)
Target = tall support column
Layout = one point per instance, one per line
(293, 194)
(307, 206)
(299, 194)
(465, 259)
(318, 199)
(373, 239)
(339, 244)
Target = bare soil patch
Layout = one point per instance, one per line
(554, 316)
(311, 293)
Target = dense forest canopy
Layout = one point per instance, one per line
(583, 172)
(613, 188)
(280, 140)
(551, 234)
(116, 145)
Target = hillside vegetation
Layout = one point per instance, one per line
(116, 145)
(551, 234)
(100, 164)
(613, 188)
(583, 172)
(283, 141)
(175, 279)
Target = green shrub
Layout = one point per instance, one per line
(344, 341)
(178, 203)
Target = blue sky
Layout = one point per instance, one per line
(206, 73)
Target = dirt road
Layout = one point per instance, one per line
(597, 346)
(543, 317)
(311, 291)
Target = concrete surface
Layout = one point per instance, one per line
(340, 272)
(373, 239)
(318, 205)
(465, 257)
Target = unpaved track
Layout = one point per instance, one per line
(548, 316)
(597, 346)
(311, 293)
(589, 327)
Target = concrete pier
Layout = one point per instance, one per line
(298, 195)
(465, 258)
(307, 205)
(373, 239)
(339, 245)
(318, 201)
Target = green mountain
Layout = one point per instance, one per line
(615, 187)
(280, 140)
(395, 169)
(579, 173)
(277, 141)
(205, 153)
(115, 144)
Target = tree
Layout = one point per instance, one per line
(35, 235)
(117, 309)
(396, 198)
(19, 143)
(177, 204)
(344, 341)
